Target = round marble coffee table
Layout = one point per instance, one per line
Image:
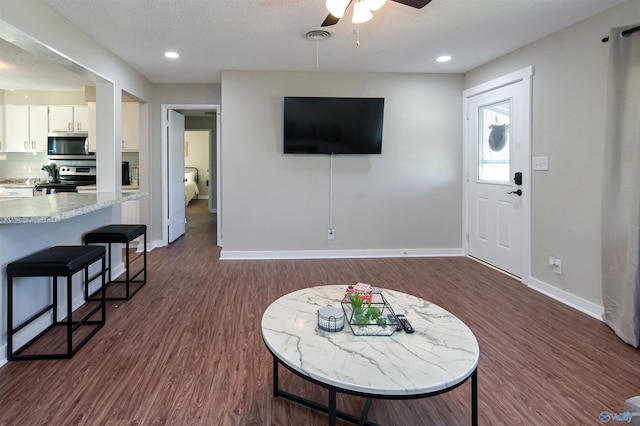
(441, 355)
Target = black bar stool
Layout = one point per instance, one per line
(123, 234)
(54, 262)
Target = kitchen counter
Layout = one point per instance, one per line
(125, 188)
(60, 206)
(20, 182)
(31, 224)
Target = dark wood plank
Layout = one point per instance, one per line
(187, 349)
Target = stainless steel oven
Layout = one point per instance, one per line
(77, 172)
(66, 146)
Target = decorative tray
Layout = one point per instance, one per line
(369, 314)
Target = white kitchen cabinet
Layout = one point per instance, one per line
(60, 118)
(38, 128)
(68, 118)
(81, 118)
(16, 191)
(16, 127)
(130, 126)
(25, 128)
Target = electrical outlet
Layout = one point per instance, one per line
(556, 264)
(331, 235)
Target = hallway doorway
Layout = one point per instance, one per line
(212, 175)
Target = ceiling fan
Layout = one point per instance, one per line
(362, 9)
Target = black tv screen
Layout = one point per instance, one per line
(333, 125)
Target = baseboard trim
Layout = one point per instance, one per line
(560, 295)
(151, 245)
(571, 300)
(337, 254)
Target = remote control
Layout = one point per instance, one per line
(394, 320)
(405, 324)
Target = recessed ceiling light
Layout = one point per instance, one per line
(443, 58)
(172, 55)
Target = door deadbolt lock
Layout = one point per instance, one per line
(518, 192)
(517, 178)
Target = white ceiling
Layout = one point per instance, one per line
(216, 35)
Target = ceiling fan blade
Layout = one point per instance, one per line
(332, 20)
(329, 20)
(418, 4)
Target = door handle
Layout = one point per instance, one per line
(518, 192)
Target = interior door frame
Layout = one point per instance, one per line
(524, 75)
(165, 164)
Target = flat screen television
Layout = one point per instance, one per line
(333, 125)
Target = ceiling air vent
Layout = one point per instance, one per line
(318, 34)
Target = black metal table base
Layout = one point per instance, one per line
(334, 414)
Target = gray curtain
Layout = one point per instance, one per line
(621, 189)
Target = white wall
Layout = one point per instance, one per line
(408, 198)
(568, 126)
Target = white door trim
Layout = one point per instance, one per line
(165, 164)
(524, 75)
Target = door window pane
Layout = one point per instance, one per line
(494, 142)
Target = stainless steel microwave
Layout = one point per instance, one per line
(66, 145)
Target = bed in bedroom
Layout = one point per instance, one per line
(191, 190)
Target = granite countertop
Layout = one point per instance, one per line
(125, 188)
(21, 182)
(60, 206)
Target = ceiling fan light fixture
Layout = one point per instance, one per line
(337, 7)
(361, 13)
(374, 5)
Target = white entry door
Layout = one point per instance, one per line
(175, 153)
(498, 176)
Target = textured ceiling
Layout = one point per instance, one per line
(216, 35)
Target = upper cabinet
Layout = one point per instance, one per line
(25, 128)
(81, 118)
(130, 126)
(68, 118)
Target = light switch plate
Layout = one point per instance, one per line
(540, 163)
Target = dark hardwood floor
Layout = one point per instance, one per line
(187, 349)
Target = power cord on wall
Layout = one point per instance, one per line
(331, 235)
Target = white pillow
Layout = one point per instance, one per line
(190, 177)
